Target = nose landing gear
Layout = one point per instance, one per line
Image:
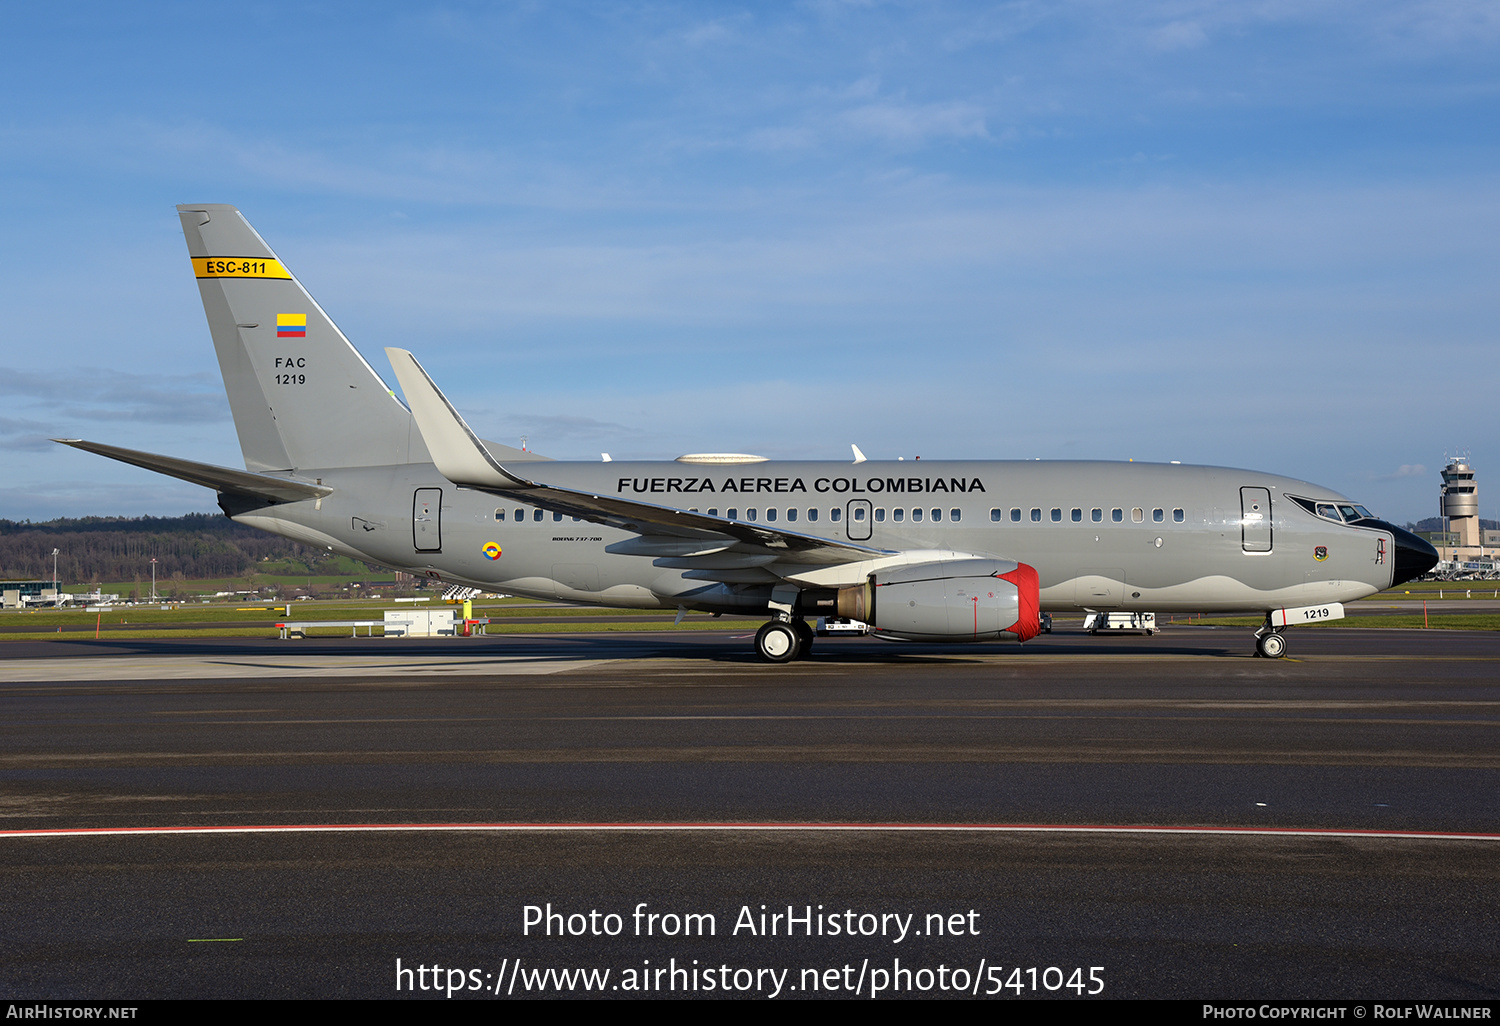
(1269, 643)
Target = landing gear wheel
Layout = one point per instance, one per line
(805, 635)
(1270, 645)
(777, 642)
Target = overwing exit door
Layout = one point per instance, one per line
(858, 520)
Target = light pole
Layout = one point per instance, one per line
(54, 578)
(153, 579)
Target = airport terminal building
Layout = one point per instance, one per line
(17, 594)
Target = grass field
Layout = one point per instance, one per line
(216, 620)
(237, 619)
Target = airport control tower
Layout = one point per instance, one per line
(1460, 502)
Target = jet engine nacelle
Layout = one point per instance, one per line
(949, 600)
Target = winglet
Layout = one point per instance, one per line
(459, 454)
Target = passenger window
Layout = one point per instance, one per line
(499, 514)
(557, 518)
(1056, 515)
(916, 516)
(1036, 515)
(937, 515)
(1096, 515)
(714, 511)
(750, 514)
(880, 515)
(1077, 515)
(835, 514)
(734, 513)
(1015, 514)
(996, 515)
(859, 514)
(1138, 515)
(1177, 516)
(812, 515)
(1117, 514)
(770, 516)
(898, 514)
(791, 515)
(577, 519)
(955, 514)
(1157, 516)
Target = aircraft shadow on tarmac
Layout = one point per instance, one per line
(718, 648)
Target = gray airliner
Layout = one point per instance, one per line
(918, 550)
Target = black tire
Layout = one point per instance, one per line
(806, 635)
(777, 642)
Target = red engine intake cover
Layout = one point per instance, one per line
(1029, 591)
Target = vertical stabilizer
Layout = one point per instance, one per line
(301, 395)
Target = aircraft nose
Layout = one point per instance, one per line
(1414, 557)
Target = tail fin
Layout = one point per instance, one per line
(301, 395)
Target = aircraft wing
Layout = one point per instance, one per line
(222, 479)
(463, 459)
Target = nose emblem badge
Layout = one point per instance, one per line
(1320, 553)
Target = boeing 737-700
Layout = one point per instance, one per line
(928, 551)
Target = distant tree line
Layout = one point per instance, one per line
(1436, 524)
(199, 545)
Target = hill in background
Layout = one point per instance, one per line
(1436, 524)
(194, 547)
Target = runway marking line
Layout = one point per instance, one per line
(329, 828)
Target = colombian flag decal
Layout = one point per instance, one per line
(291, 325)
(491, 551)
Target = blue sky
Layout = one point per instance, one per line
(1257, 234)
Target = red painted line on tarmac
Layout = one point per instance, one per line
(688, 827)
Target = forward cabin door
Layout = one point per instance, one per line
(1255, 519)
(426, 520)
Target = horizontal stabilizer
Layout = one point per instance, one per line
(222, 479)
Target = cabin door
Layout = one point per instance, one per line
(426, 520)
(1255, 519)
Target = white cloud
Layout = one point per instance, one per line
(907, 124)
(1179, 35)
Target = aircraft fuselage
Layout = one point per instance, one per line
(1128, 536)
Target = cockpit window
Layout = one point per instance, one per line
(1338, 512)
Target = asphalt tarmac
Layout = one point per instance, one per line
(1167, 816)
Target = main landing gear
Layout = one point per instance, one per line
(1270, 643)
(781, 641)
